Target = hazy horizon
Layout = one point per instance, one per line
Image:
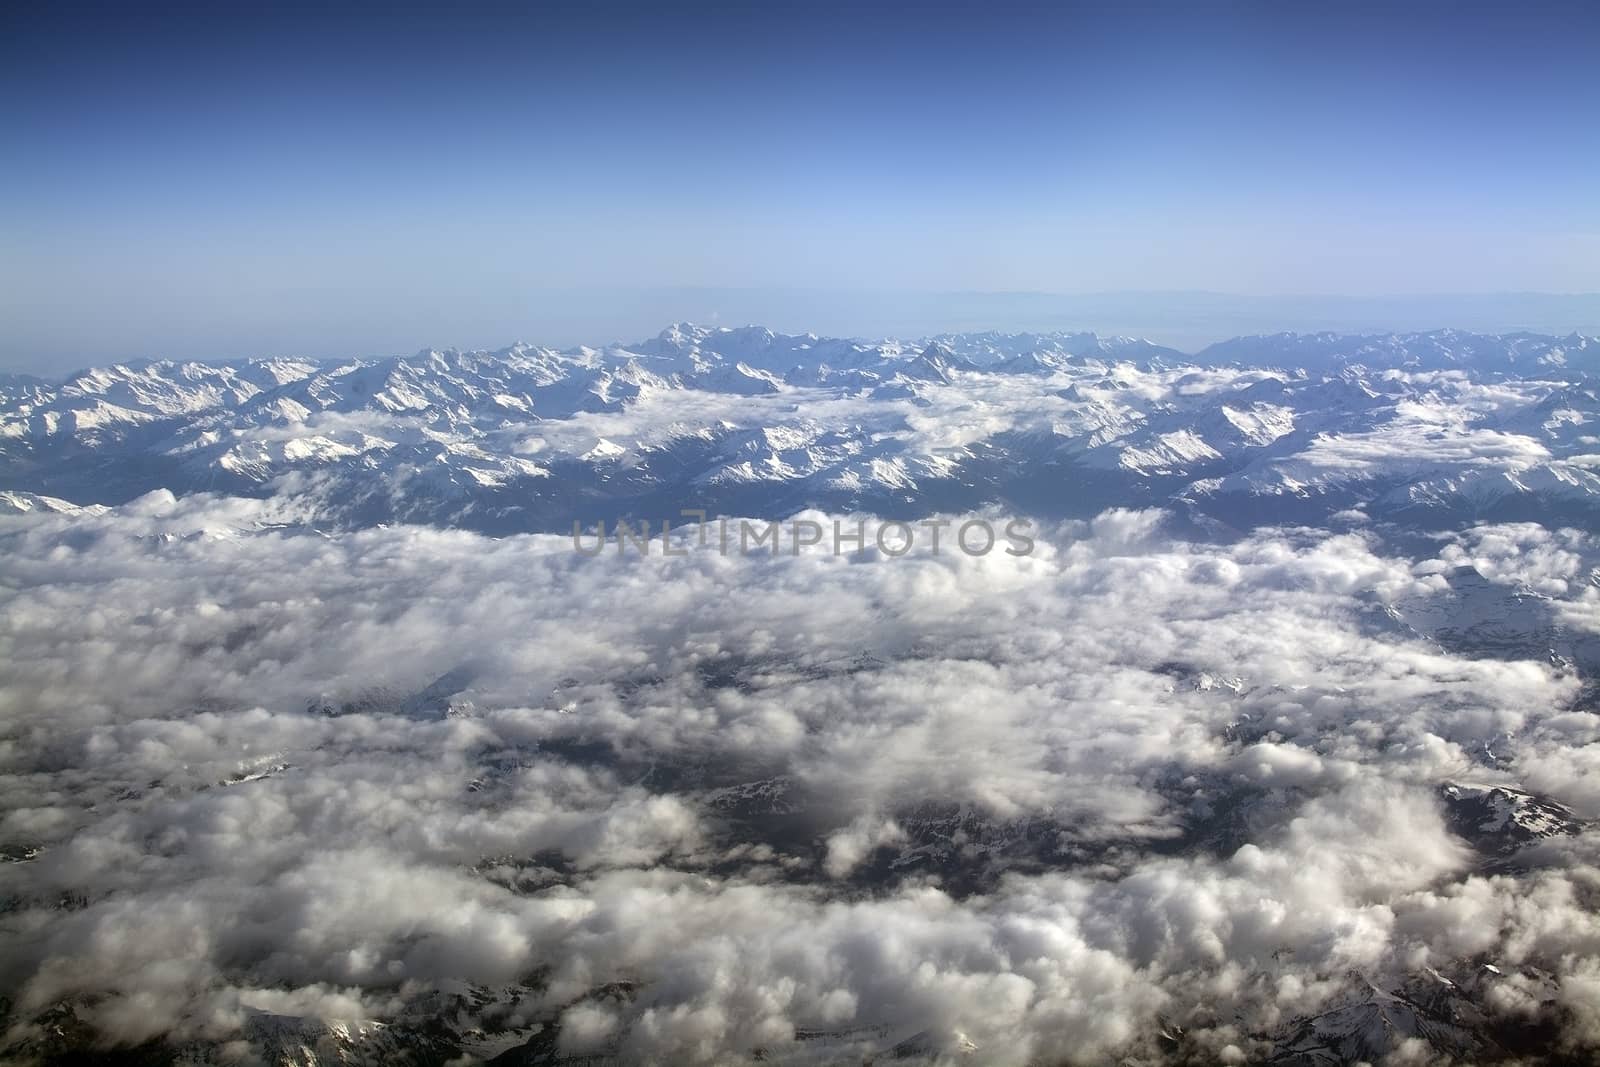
(1187, 321)
(346, 182)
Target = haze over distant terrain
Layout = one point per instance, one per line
(297, 180)
(1187, 321)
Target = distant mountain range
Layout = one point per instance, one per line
(1303, 427)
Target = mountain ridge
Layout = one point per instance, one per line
(1060, 424)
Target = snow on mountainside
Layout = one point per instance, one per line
(1435, 350)
(1300, 426)
(24, 503)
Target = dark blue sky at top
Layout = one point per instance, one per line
(241, 178)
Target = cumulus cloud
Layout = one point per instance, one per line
(691, 807)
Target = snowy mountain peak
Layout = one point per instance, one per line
(959, 419)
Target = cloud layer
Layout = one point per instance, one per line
(1045, 808)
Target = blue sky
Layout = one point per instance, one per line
(236, 181)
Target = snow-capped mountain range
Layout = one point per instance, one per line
(746, 420)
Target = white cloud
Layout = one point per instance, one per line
(583, 814)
